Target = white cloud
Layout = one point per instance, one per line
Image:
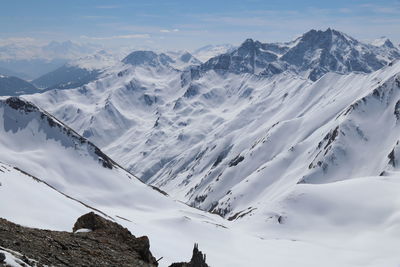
(382, 9)
(18, 40)
(128, 36)
(169, 31)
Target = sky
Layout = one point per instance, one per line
(179, 24)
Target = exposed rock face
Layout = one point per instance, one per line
(247, 58)
(104, 227)
(2, 257)
(198, 259)
(108, 244)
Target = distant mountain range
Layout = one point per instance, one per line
(311, 55)
(179, 60)
(33, 60)
(12, 86)
(77, 72)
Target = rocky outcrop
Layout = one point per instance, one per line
(95, 242)
(198, 259)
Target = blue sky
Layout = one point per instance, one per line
(190, 24)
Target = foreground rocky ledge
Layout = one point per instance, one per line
(95, 242)
(101, 243)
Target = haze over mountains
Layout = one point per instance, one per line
(294, 145)
(33, 60)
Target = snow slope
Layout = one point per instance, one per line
(210, 141)
(49, 176)
(182, 59)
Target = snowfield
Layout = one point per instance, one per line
(40, 188)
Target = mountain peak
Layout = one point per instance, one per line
(186, 57)
(328, 36)
(383, 42)
(388, 43)
(143, 57)
(312, 55)
(248, 41)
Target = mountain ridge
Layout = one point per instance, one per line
(311, 55)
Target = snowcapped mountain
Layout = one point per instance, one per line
(50, 176)
(383, 41)
(295, 143)
(201, 139)
(318, 52)
(249, 57)
(12, 86)
(77, 72)
(182, 59)
(312, 55)
(177, 60)
(150, 58)
(209, 51)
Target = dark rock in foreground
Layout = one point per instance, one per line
(106, 244)
(198, 259)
